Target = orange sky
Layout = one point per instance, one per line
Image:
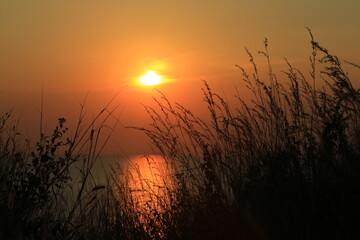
(72, 47)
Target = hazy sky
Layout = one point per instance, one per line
(103, 46)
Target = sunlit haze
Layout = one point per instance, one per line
(74, 49)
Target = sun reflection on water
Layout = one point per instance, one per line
(151, 187)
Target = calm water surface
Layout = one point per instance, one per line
(149, 178)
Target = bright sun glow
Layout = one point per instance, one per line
(150, 78)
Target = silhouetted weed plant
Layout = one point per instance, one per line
(37, 186)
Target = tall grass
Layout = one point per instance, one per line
(284, 165)
(281, 165)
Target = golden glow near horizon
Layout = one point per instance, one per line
(102, 47)
(150, 78)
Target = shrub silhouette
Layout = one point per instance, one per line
(36, 200)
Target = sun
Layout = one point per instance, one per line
(150, 78)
